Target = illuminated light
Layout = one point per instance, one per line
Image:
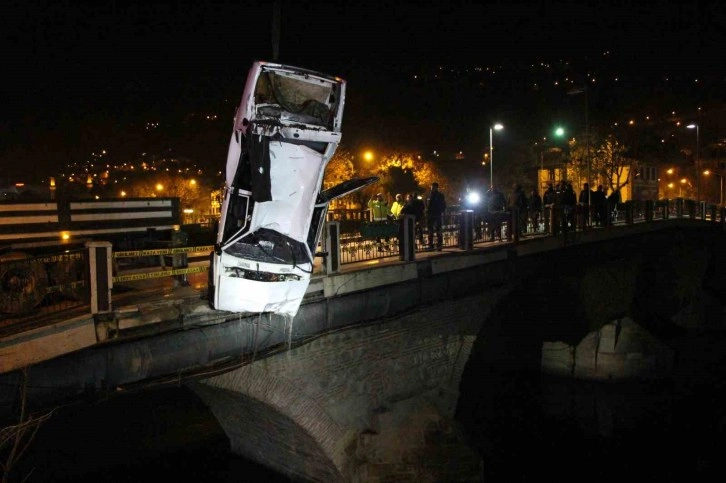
(683, 180)
(368, 156)
(188, 211)
(193, 182)
(65, 235)
(670, 185)
(123, 193)
(19, 185)
(159, 187)
(707, 172)
(669, 171)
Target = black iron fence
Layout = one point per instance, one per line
(361, 240)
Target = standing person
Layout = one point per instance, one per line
(534, 205)
(585, 200)
(379, 214)
(397, 206)
(519, 207)
(612, 205)
(569, 200)
(548, 201)
(496, 212)
(598, 206)
(415, 206)
(435, 208)
(548, 198)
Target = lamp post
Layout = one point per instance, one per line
(559, 132)
(698, 165)
(497, 127)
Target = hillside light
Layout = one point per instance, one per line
(497, 127)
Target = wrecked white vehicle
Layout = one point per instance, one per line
(286, 129)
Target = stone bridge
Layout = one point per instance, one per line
(364, 383)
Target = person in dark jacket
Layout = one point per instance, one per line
(415, 206)
(598, 206)
(585, 201)
(496, 213)
(612, 205)
(548, 198)
(435, 208)
(569, 200)
(534, 205)
(519, 207)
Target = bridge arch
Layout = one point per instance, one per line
(359, 404)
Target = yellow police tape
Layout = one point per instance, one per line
(163, 273)
(162, 251)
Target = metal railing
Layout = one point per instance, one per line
(54, 283)
(359, 243)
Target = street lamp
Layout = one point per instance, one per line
(497, 127)
(698, 165)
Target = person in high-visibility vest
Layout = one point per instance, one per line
(379, 214)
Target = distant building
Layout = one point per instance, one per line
(645, 183)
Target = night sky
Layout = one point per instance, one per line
(80, 78)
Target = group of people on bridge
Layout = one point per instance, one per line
(427, 212)
(532, 211)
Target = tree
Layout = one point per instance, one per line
(611, 164)
(339, 169)
(402, 172)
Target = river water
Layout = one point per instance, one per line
(526, 427)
